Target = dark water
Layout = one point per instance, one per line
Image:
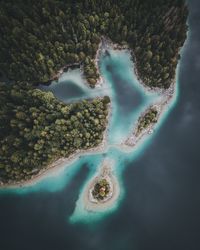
(65, 90)
(121, 84)
(161, 210)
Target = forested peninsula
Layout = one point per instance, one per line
(40, 39)
(36, 129)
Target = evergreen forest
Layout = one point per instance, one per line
(38, 38)
(36, 129)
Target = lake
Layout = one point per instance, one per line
(160, 205)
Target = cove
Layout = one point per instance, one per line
(128, 99)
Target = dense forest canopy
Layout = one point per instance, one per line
(37, 129)
(40, 37)
(148, 118)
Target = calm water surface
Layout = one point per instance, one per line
(160, 208)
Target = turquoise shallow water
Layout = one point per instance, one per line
(128, 100)
(160, 205)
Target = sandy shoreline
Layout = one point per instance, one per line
(105, 44)
(161, 107)
(166, 95)
(131, 141)
(62, 163)
(105, 171)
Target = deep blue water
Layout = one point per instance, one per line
(160, 206)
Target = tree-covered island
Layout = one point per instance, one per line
(101, 189)
(147, 119)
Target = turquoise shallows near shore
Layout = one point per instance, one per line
(129, 98)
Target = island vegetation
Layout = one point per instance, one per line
(147, 119)
(101, 189)
(38, 38)
(37, 129)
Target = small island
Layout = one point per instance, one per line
(147, 119)
(103, 189)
